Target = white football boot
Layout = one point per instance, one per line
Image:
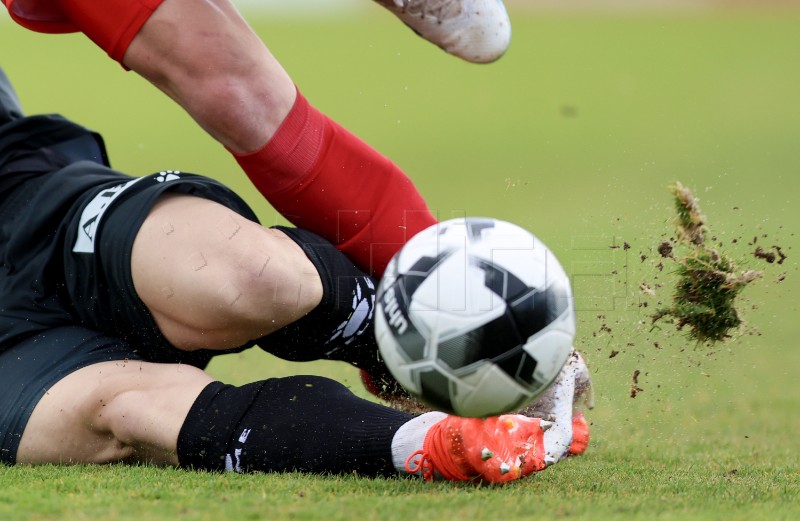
(477, 31)
(563, 404)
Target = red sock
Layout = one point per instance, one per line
(326, 180)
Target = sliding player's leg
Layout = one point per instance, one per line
(178, 263)
(103, 404)
(116, 411)
(213, 279)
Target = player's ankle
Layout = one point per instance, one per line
(410, 438)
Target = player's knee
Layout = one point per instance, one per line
(138, 416)
(267, 286)
(121, 415)
(96, 417)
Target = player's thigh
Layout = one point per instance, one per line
(214, 279)
(125, 410)
(74, 394)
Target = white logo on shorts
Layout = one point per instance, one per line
(93, 213)
(168, 175)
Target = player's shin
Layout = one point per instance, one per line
(300, 423)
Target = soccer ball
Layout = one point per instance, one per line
(475, 317)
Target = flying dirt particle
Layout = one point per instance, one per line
(613, 353)
(781, 255)
(769, 256)
(635, 389)
(766, 255)
(665, 249)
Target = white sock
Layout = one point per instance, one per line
(410, 437)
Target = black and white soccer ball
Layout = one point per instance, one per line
(475, 317)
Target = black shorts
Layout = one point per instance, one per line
(68, 298)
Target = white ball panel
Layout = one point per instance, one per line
(488, 392)
(436, 240)
(550, 349)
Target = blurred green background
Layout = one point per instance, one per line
(575, 134)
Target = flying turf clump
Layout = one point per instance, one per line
(708, 282)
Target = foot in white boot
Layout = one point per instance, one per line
(563, 403)
(477, 31)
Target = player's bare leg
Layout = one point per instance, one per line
(213, 279)
(477, 31)
(206, 57)
(113, 411)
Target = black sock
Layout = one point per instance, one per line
(300, 423)
(341, 326)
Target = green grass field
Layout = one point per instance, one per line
(576, 135)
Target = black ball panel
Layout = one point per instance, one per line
(395, 311)
(518, 364)
(502, 282)
(481, 343)
(536, 309)
(476, 225)
(435, 387)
